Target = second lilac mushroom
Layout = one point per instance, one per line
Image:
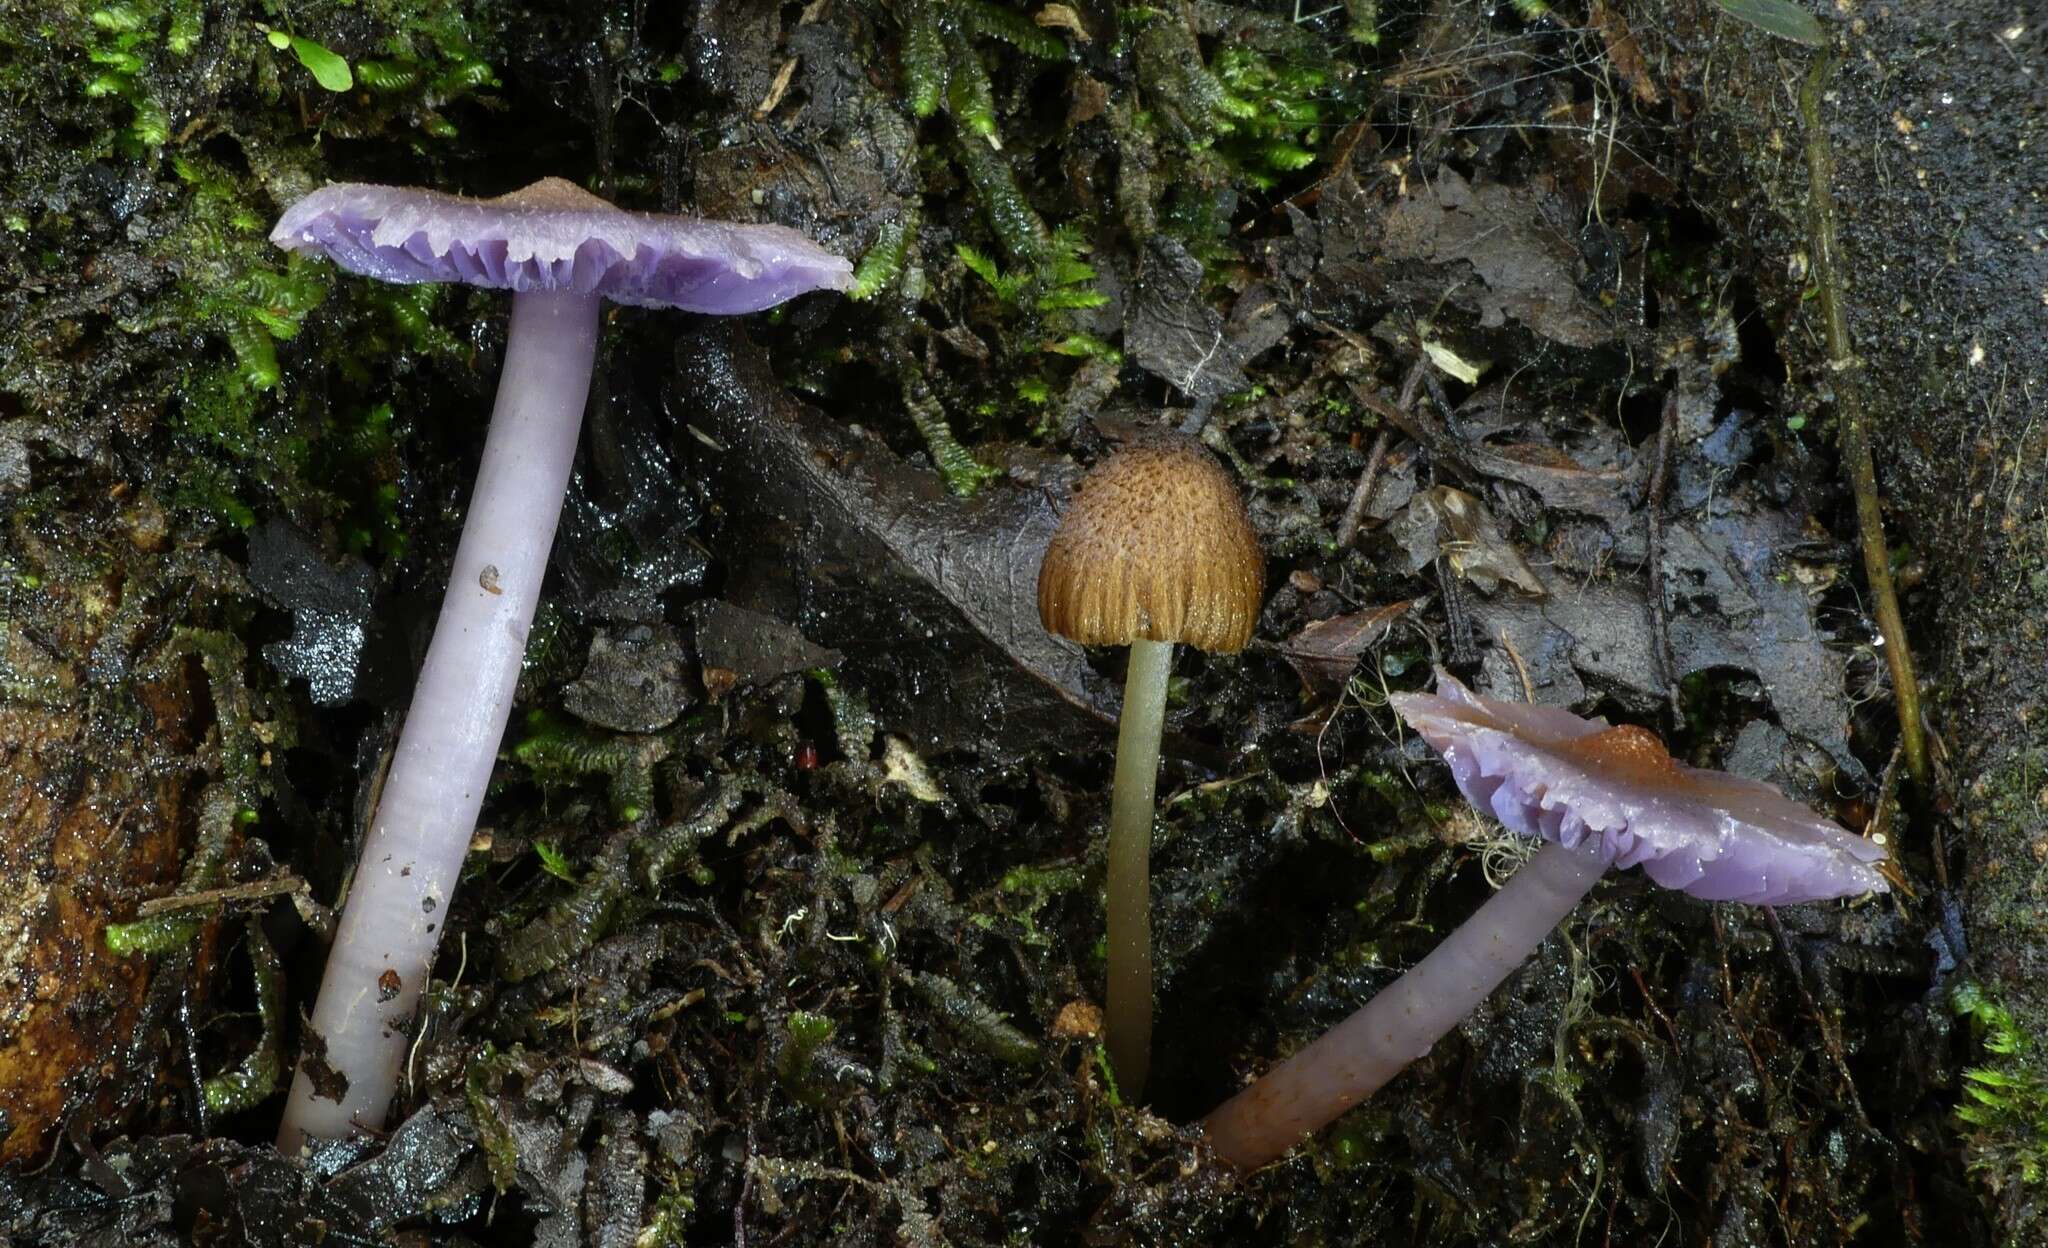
(1596, 797)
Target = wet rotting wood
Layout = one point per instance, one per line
(876, 549)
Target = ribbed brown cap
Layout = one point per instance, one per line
(1156, 545)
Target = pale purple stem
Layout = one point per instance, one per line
(1355, 1058)
(398, 903)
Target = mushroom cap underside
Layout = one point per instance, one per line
(1545, 772)
(1156, 545)
(555, 236)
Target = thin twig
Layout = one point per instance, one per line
(255, 890)
(1507, 643)
(1654, 570)
(739, 1205)
(1354, 511)
(1436, 392)
(1462, 649)
(1856, 457)
(1412, 383)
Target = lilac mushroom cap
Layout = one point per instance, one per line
(556, 236)
(1547, 773)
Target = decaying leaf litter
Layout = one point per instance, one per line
(782, 927)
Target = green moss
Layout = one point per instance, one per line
(243, 743)
(569, 925)
(239, 441)
(430, 58)
(219, 816)
(1065, 281)
(970, 96)
(1035, 887)
(962, 472)
(159, 933)
(923, 54)
(942, 65)
(804, 1034)
(1036, 273)
(1015, 27)
(208, 492)
(480, 1085)
(2005, 1111)
(669, 1223)
(360, 455)
(257, 1075)
(1259, 103)
(879, 268)
(973, 1021)
(122, 44)
(233, 280)
(1016, 224)
(559, 752)
(932, 76)
(853, 721)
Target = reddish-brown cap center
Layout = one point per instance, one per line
(1629, 752)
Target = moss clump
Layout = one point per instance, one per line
(2006, 1098)
(1247, 115)
(805, 1034)
(241, 443)
(883, 261)
(963, 473)
(430, 58)
(120, 53)
(258, 1074)
(360, 455)
(560, 753)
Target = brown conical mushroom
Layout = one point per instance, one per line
(1156, 549)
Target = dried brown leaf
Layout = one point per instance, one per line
(1324, 653)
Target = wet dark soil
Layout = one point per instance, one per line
(784, 923)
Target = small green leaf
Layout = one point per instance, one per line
(1782, 18)
(1086, 346)
(1006, 285)
(978, 264)
(328, 69)
(278, 39)
(1069, 298)
(118, 19)
(1066, 271)
(554, 861)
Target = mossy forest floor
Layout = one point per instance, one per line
(784, 923)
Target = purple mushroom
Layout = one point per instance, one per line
(1597, 797)
(563, 252)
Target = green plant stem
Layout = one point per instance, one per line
(1856, 456)
(1127, 1016)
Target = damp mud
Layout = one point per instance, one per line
(783, 922)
